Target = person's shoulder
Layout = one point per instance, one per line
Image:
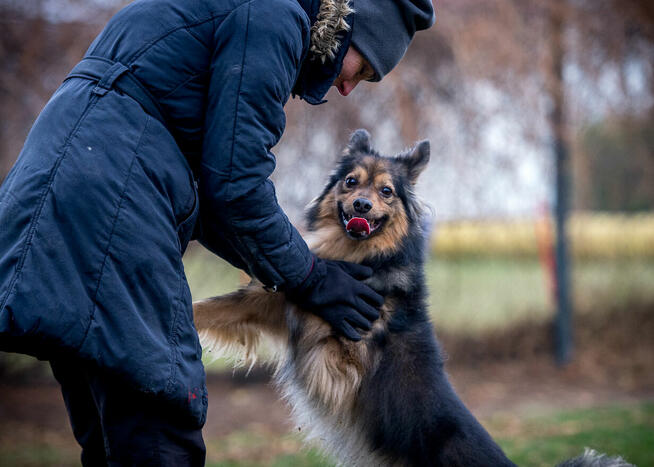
(280, 13)
(288, 7)
(281, 21)
(167, 15)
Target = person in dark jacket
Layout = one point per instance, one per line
(162, 134)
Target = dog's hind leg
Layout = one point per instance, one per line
(234, 324)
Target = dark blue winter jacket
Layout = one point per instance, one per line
(164, 132)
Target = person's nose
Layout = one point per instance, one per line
(347, 86)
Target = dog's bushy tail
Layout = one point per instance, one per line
(591, 458)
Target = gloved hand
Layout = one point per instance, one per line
(334, 291)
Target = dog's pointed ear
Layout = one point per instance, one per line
(359, 141)
(416, 160)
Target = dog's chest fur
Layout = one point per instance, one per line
(328, 416)
(325, 407)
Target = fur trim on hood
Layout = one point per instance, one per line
(325, 31)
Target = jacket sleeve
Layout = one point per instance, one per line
(259, 49)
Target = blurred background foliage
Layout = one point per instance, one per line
(493, 85)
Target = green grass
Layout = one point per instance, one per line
(207, 274)
(627, 431)
(472, 295)
(37, 455)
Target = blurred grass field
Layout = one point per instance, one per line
(591, 235)
(475, 294)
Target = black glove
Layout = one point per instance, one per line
(334, 291)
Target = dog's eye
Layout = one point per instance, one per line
(387, 191)
(351, 181)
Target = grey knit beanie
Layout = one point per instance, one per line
(383, 29)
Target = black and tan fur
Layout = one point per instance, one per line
(384, 400)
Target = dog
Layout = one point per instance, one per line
(384, 400)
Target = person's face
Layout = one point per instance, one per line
(355, 69)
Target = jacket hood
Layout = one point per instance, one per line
(327, 30)
(331, 33)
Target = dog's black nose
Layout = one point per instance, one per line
(362, 205)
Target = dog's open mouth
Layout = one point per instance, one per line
(360, 227)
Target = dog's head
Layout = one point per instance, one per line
(368, 206)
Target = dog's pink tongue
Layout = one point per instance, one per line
(358, 225)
